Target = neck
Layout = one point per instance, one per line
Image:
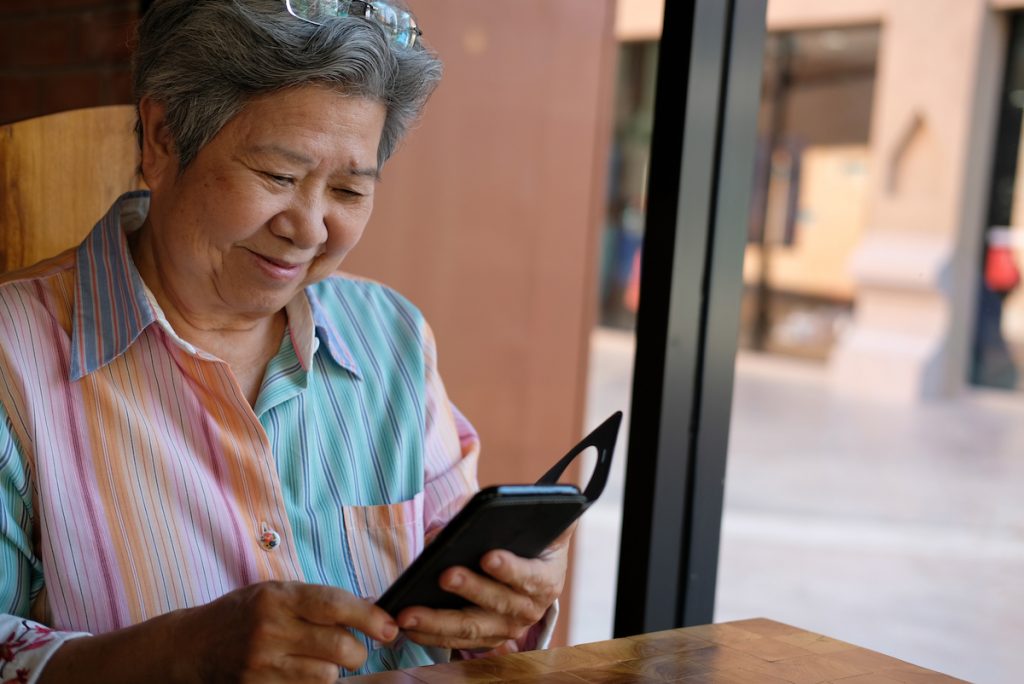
(246, 343)
(190, 321)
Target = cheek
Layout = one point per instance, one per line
(341, 238)
(234, 212)
(341, 242)
(344, 231)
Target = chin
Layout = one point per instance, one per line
(264, 304)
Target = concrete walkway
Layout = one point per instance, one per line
(896, 528)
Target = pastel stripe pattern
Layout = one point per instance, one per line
(136, 479)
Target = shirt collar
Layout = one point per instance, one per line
(328, 331)
(113, 305)
(308, 324)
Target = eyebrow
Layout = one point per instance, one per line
(299, 158)
(367, 172)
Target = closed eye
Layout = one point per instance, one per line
(279, 179)
(347, 192)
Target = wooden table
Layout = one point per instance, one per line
(744, 652)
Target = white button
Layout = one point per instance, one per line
(269, 538)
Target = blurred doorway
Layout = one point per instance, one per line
(809, 207)
(810, 188)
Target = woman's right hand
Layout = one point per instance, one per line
(277, 631)
(267, 632)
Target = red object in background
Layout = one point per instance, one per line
(631, 297)
(1001, 273)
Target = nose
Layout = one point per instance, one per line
(303, 223)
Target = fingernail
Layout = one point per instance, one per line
(494, 562)
(410, 623)
(390, 631)
(455, 581)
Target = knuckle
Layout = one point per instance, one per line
(534, 613)
(309, 671)
(256, 659)
(545, 589)
(503, 605)
(439, 640)
(526, 607)
(512, 628)
(470, 629)
(531, 586)
(494, 642)
(337, 645)
(263, 598)
(352, 654)
(260, 633)
(519, 631)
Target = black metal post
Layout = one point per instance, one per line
(702, 154)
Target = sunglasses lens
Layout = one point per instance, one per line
(398, 23)
(407, 33)
(318, 10)
(386, 16)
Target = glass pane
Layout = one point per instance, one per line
(864, 499)
(999, 327)
(612, 344)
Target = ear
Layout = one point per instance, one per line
(159, 159)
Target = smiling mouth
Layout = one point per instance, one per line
(278, 268)
(277, 262)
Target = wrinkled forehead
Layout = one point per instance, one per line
(307, 127)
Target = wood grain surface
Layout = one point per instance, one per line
(756, 651)
(58, 175)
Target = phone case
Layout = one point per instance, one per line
(523, 519)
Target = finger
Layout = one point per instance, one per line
(335, 645)
(301, 669)
(444, 641)
(324, 605)
(539, 578)
(492, 595)
(467, 628)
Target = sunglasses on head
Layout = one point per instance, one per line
(398, 23)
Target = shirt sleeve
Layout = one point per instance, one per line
(452, 450)
(25, 646)
(452, 455)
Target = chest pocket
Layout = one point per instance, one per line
(382, 541)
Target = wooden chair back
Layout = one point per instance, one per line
(58, 175)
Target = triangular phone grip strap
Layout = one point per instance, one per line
(603, 439)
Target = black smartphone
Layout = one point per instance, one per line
(523, 519)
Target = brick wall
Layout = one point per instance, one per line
(57, 55)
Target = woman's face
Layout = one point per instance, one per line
(273, 203)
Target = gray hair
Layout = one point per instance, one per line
(204, 59)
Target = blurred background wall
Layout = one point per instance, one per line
(64, 54)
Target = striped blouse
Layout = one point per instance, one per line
(136, 479)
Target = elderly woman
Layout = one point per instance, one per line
(215, 452)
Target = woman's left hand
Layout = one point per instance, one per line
(516, 596)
